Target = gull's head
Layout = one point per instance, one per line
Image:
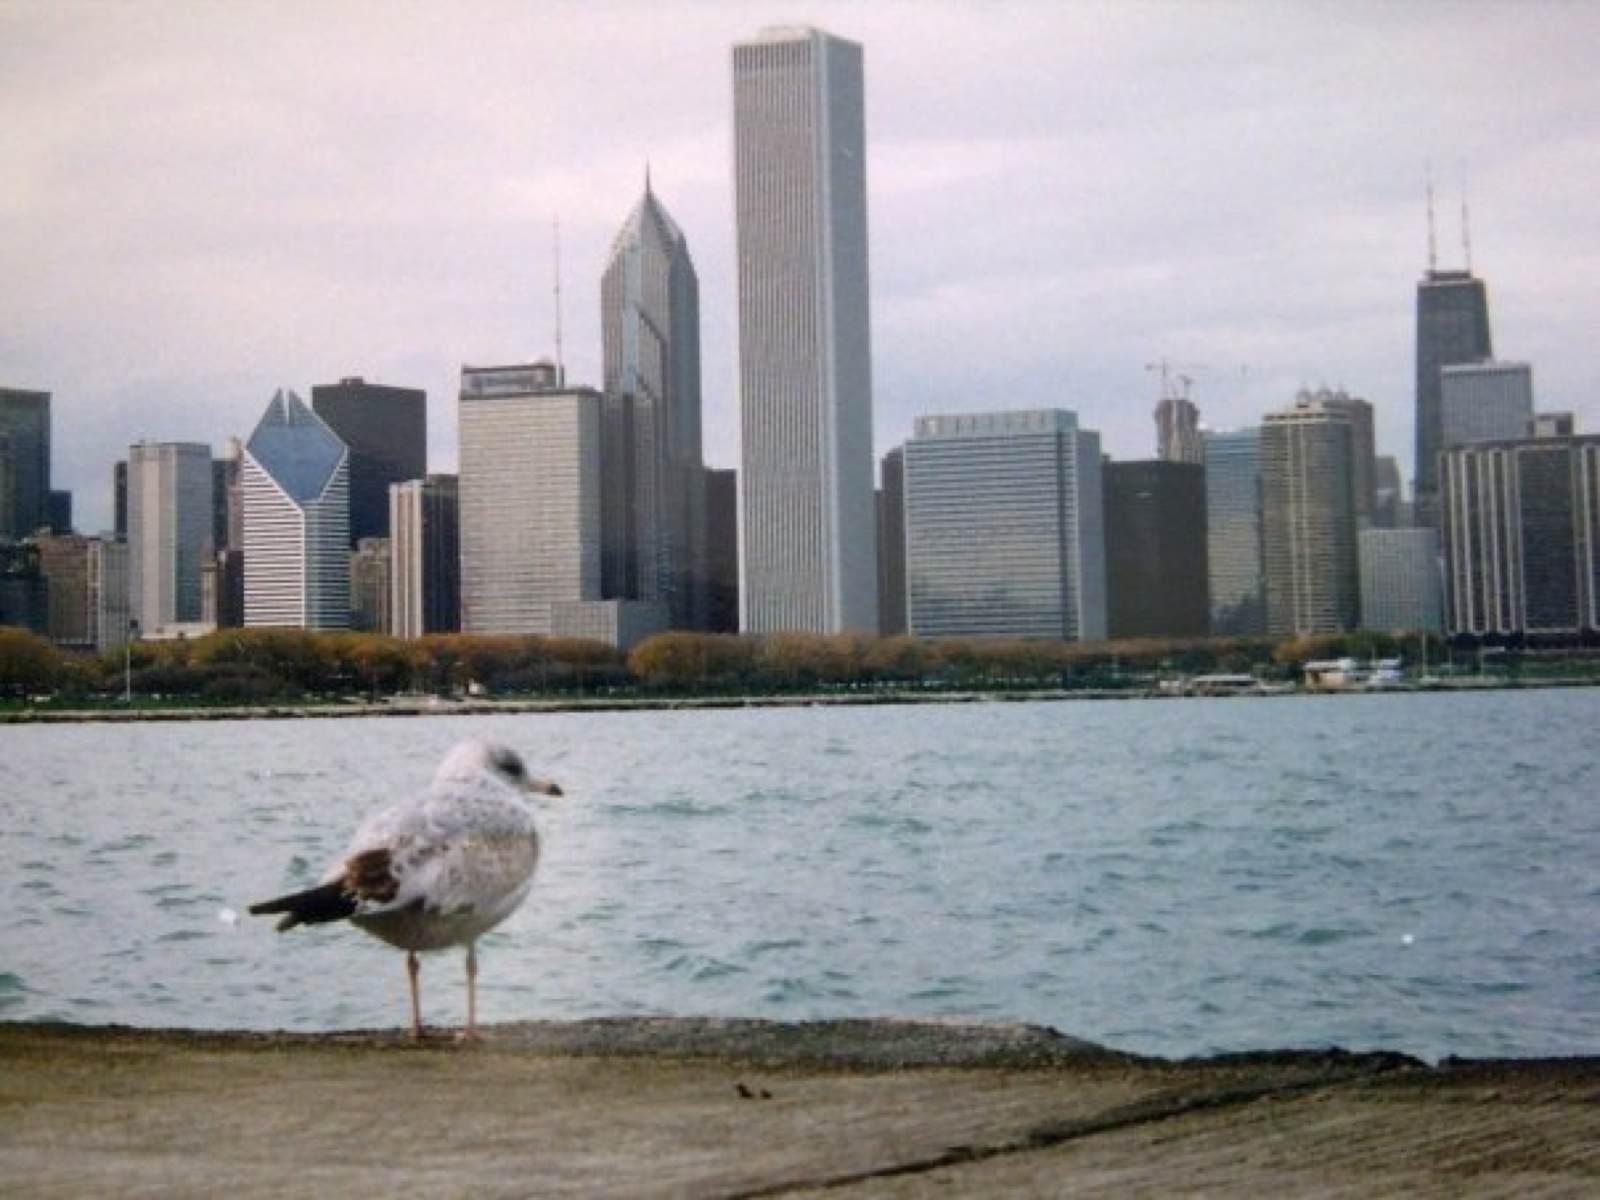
(480, 757)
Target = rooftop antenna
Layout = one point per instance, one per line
(1466, 225)
(1433, 251)
(561, 367)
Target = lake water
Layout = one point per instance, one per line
(1417, 872)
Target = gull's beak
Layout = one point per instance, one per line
(544, 787)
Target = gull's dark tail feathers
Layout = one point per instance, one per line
(314, 906)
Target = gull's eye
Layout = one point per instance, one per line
(510, 764)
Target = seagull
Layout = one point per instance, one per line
(438, 870)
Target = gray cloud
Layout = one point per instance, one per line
(205, 202)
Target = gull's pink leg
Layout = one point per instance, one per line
(412, 968)
(470, 1033)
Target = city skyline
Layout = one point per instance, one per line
(1170, 229)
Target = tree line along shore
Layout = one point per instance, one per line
(246, 667)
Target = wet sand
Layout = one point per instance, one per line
(665, 1107)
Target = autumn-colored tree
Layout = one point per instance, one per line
(29, 663)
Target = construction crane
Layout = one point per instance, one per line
(1168, 370)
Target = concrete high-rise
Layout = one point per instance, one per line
(370, 593)
(1522, 537)
(1235, 567)
(892, 543)
(1309, 520)
(87, 582)
(1388, 496)
(386, 432)
(296, 491)
(1004, 526)
(425, 548)
(530, 497)
(1155, 538)
(1363, 447)
(1484, 402)
(1178, 430)
(652, 478)
(1400, 586)
(808, 559)
(169, 531)
(24, 461)
(722, 549)
(1452, 327)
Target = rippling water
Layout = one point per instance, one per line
(1409, 871)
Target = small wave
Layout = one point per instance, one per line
(700, 967)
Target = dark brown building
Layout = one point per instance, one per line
(1155, 521)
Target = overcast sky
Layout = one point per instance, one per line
(200, 203)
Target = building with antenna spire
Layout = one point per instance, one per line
(1452, 328)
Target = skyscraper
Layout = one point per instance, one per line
(1004, 526)
(1155, 535)
(1400, 590)
(169, 531)
(1178, 430)
(722, 549)
(892, 543)
(1308, 520)
(88, 590)
(296, 490)
(1522, 537)
(530, 497)
(808, 558)
(370, 593)
(652, 477)
(1234, 561)
(1484, 402)
(1387, 494)
(386, 431)
(24, 461)
(1452, 327)
(1363, 448)
(425, 548)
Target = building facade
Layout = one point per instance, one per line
(1484, 402)
(808, 559)
(652, 478)
(385, 430)
(1522, 537)
(1156, 555)
(1363, 448)
(530, 496)
(1452, 327)
(1235, 566)
(24, 461)
(1401, 588)
(1178, 430)
(296, 492)
(370, 590)
(425, 551)
(87, 587)
(722, 549)
(169, 531)
(892, 543)
(1004, 526)
(1308, 521)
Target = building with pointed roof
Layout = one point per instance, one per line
(296, 491)
(651, 472)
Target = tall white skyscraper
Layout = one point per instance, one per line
(530, 497)
(806, 517)
(295, 483)
(169, 530)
